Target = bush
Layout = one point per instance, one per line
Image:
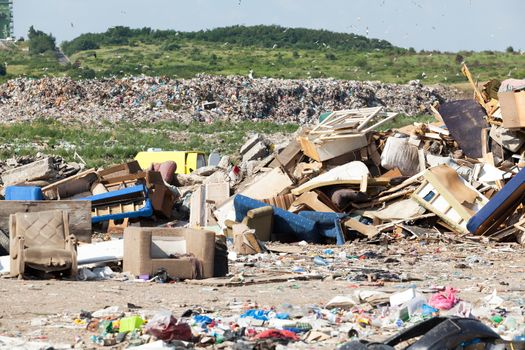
(3, 70)
(82, 44)
(40, 42)
(170, 46)
(330, 57)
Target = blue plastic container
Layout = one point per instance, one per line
(23, 193)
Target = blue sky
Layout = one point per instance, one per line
(449, 25)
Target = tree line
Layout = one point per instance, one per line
(261, 36)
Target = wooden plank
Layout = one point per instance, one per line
(248, 280)
(390, 225)
(74, 177)
(364, 184)
(477, 93)
(38, 170)
(198, 207)
(288, 157)
(436, 114)
(311, 200)
(389, 117)
(422, 160)
(331, 148)
(79, 214)
(369, 231)
(395, 195)
(405, 183)
(124, 178)
(282, 201)
(369, 118)
(371, 182)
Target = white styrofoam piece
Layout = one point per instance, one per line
(401, 298)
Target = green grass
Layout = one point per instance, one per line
(195, 57)
(113, 144)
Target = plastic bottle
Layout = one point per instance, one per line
(414, 305)
(320, 261)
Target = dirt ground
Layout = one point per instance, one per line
(44, 310)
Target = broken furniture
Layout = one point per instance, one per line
(328, 224)
(244, 240)
(161, 196)
(182, 252)
(204, 200)
(78, 184)
(447, 195)
(79, 214)
(23, 193)
(287, 227)
(42, 241)
(342, 132)
(258, 219)
(499, 207)
(132, 202)
(119, 171)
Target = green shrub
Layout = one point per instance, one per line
(40, 42)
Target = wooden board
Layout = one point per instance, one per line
(288, 157)
(371, 182)
(369, 231)
(204, 199)
(330, 149)
(259, 279)
(311, 200)
(79, 214)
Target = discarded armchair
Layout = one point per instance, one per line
(258, 219)
(42, 241)
(309, 226)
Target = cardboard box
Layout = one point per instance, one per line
(147, 249)
(512, 105)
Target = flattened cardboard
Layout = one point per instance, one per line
(512, 105)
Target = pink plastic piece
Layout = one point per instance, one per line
(444, 300)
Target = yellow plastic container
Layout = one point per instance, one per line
(129, 324)
(186, 161)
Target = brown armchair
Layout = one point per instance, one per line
(259, 219)
(41, 241)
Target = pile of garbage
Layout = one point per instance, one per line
(352, 292)
(171, 216)
(204, 98)
(254, 327)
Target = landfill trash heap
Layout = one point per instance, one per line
(173, 217)
(204, 98)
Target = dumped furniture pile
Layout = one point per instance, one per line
(168, 217)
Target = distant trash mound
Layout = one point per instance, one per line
(205, 98)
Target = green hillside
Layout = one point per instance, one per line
(270, 51)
